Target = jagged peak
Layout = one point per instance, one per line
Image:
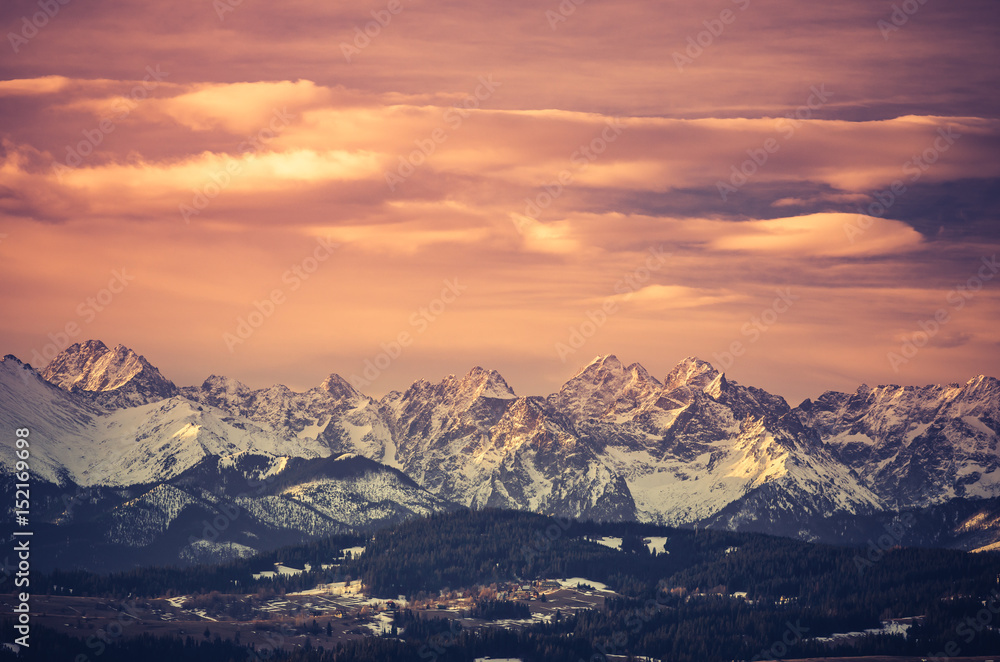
(980, 379)
(691, 372)
(91, 346)
(487, 383)
(601, 363)
(90, 365)
(339, 387)
(605, 385)
(12, 364)
(222, 383)
(639, 370)
(717, 386)
(478, 382)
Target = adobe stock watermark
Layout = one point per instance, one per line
(128, 614)
(420, 320)
(714, 27)
(292, 278)
(757, 327)
(30, 27)
(223, 7)
(927, 329)
(92, 138)
(970, 627)
(582, 157)
(893, 535)
(439, 643)
(624, 288)
(759, 156)
(87, 311)
(779, 649)
(617, 644)
(363, 35)
(453, 117)
(913, 168)
(542, 541)
(220, 180)
(566, 8)
(899, 17)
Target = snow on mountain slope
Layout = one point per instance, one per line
(61, 425)
(605, 387)
(915, 446)
(74, 439)
(113, 377)
(471, 440)
(699, 442)
(158, 441)
(138, 522)
(441, 431)
(334, 414)
(372, 496)
(616, 443)
(612, 443)
(534, 461)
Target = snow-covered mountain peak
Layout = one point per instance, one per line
(638, 373)
(600, 364)
(225, 385)
(692, 373)
(602, 370)
(457, 393)
(17, 376)
(605, 387)
(116, 377)
(487, 384)
(12, 365)
(717, 386)
(339, 388)
(691, 377)
(982, 384)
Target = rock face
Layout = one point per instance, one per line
(915, 446)
(613, 443)
(112, 377)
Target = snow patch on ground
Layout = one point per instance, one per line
(888, 627)
(656, 544)
(608, 541)
(572, 582)
(283, 570)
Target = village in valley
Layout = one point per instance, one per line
(324, 615)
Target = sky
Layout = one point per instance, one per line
(804, 194)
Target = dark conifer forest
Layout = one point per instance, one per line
(707, 595)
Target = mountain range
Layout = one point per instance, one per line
(144, 470)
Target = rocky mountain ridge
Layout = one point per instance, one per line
(613, 443)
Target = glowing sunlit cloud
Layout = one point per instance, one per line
(33, 86)
(674, 297)
(117, 186)
(827, 234)
(550, 237)
(399, 239)
(242, 107)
